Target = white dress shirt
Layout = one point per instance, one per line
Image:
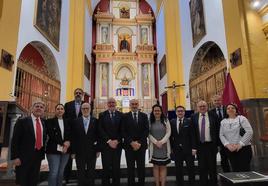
(61, 125)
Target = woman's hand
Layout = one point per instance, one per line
(230, 147)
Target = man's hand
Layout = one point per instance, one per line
(17, 162)
(113, 143)
(97, 154)
(194, 152)
(135, 145)
(73, 156)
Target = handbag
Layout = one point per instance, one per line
(242, 130)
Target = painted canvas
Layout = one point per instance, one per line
(47, 20)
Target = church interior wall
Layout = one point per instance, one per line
(214, 23)
(28, 33)
(161, 47)
(9, 26)
(88, 45)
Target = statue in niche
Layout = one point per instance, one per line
(145, 73)
(144, 36)
(104, 80)
(124, 12)
(124, 45)
(104, 33)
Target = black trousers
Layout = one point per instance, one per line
(206, 155)
(27, 174)
(225, 165)
(189, 159)
(111, 166)
(68, 169)
(240, 161)
(86, 169)
(137, 157)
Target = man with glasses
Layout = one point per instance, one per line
(183, 145)
(27, 146)
(84, 145)
(110, 128)
(73, 111)
(205, 125)
(135, 133)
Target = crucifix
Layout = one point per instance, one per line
(173, 87)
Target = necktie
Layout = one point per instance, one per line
(38, 135)
(219, 114)
(77, 109)
(135, 117)
(86, 124)
(179, 126)
(112, 116)
(203, 126)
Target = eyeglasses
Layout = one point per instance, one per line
(180, 110)
(86, 108)
(78, 93)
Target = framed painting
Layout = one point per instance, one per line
(47, 20)
(197, 20)
(162, 67)
(6, 60)
(235, 58)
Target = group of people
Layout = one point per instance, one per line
(75, 134)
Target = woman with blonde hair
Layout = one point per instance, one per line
(159, 147)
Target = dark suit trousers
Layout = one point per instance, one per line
(225, 165)
(206, 155)
(68, 169)
(86, 170)
(189, 159)
(138, 157)
(111, 166)
(28, 173)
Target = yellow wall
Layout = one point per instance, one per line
(243, 30)
(9, 27)
(173, 52)
(75, 76)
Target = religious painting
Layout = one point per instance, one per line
(7, 60)
(3, 113)
(162, 67)
(124, 12)
(104, 79)
(197, 20)
(144, 36)
(264, 135)
(104, 34)
(235, 58)
(124, 41)
(146, 79)
(87, 68)
(47, 20)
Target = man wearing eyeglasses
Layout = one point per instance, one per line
(183, 145)
(110, 125)
(84, 147)
(135, 133)
(72, 112)
(27, 146)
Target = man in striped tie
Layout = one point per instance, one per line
(205, 126)
(27, 146)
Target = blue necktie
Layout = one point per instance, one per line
(203, 127)
(86, 124)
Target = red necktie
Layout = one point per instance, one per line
(38, 132)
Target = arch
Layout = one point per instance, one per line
(122, 65)
(207, 73)
(37, 77)
(124, 30)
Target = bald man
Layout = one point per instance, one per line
(135, 133)
(205, 125)
(110, 128)
(84, 142)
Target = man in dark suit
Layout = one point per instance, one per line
(183, 145)
(220, 111)
(84, 140)
(206, 131)
(27, 146)
(135, 133)
(72, 112)
(110, 142)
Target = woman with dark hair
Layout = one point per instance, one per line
(159, 145)
(57, 148)
(236, 142)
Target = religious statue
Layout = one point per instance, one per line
(104, 33)
(144, 37)
(124, 12)
(124, 45)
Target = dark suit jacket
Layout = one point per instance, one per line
(135, 132)
(108, 129)
(70, 111)
(224, 112)
(54, 135)
(185, 138)
(213, 121)
(84, 145)
(23, 140)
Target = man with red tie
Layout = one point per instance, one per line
(27, 146)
